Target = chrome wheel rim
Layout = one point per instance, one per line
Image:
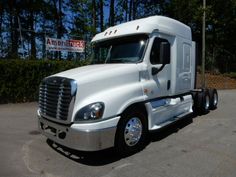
(207, 105)
(133, 131)
(215, 101)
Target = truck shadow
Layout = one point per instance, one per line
(97, 158)
(171, 129)
(107, 156)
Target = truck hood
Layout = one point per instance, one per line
(103, 74)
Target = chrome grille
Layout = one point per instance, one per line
(56, 98)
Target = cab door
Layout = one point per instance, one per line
(160, 66)
(184, 69)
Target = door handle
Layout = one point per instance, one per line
(168, 85)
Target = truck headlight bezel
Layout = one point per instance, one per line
(93, 111)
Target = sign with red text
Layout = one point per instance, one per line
(53, 44)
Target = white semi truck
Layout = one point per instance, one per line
(142, 78)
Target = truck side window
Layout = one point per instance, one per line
(155, 56)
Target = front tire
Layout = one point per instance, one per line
(131, 135)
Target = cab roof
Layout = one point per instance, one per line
(146, 26)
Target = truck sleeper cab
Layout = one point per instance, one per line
(142, 78)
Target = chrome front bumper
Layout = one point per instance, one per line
(85, 136)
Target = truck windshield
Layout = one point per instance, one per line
(120, 50)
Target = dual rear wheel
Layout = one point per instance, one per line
(213, 98)
(205, 100)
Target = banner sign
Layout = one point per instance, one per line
(54, 44)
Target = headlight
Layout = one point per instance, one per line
(92, 111)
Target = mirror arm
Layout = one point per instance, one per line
(156, 70)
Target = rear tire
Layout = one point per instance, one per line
(203, 102)
(213, 99)
(131, 134)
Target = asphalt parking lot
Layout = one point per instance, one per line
(204, 146)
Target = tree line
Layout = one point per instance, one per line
(24, 24)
